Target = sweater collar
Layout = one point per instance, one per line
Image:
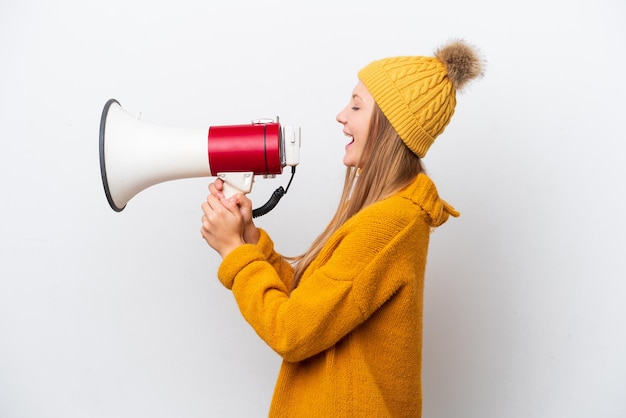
(422, 192)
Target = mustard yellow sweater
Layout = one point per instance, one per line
(350, 334)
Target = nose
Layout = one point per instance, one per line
(341, 118)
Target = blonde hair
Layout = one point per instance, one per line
(386, 166)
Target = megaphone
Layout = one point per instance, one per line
(135, 155)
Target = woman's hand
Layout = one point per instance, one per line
(222, 224)
(250, 232)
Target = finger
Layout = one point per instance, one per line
(231, 204)
(206, 208)
(206, 234)
(243, 201)
(215, 191)
(205, 223)
(237, 197)
(216, 210)
(210, 216)
(214, 203)
(218, 187)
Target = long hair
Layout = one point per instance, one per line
(386, 166)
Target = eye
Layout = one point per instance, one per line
(356, 108)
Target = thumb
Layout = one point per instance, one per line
(231, 203)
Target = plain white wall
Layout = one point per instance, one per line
(106, 314)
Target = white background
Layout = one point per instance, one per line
(106, 314)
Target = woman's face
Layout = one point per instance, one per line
(355, 118)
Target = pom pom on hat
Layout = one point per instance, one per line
(462, 63)
(418, 94)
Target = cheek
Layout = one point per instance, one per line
(364, 124)
(363, 134)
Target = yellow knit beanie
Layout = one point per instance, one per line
(418, 94)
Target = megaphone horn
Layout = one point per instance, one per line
(135, 155)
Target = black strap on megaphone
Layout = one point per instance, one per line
(274, 199)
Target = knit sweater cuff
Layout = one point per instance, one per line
(237, 260)
(265, 244)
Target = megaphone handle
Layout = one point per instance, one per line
(236, 183)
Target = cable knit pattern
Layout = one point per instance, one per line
(350, 334)
(415, 95)
(418, 94)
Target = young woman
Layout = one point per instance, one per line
(346, 316)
